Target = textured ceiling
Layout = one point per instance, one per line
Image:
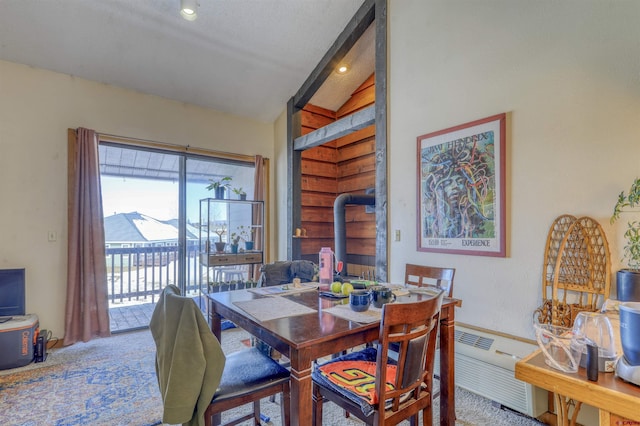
(243, 57)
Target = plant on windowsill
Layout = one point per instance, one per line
(240, 193)
(628, 280)
(219, 186)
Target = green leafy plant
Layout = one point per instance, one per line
(224, 182)
(243, 233)
(235, 239)
(239, 191)
(625, 203)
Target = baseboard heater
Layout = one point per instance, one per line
(485, 365)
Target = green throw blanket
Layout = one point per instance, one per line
(189, 359)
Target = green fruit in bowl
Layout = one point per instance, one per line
(346, 288)
(336, 286)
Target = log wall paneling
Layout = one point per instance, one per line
(311, 246)
(357, 149)
(318, 230)
(357, 183)
(362, 134)
(313, 120)
(317, 214)
(357, 214)
(315, 199)
(319, 184)
(361, 229)
(345, 165)
(361, 246)
(362, 164)
(321, 153)
(364, 96)
(319, 168)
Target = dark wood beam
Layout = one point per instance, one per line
(349, 124)
(381, 141)
(345, 41)
(294, 184)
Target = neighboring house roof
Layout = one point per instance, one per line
(192, 231)
(138, 227)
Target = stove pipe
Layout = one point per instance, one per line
(339, 222)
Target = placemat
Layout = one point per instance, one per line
(273, 307)
(373, 314)
(284, 289)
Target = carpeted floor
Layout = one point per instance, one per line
(112, 381)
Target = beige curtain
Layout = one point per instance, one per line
(258, 195)
(87, 311)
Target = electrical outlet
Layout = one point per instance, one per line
(52, 236)
(397, 235)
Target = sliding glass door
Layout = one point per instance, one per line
(151, 219)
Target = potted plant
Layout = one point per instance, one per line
(628, 280)
(235, 241)
(240, 193)
(244, 233)
(220, 230)
(219, 186)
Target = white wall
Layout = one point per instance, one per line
(281, 168)
(568, 74)
(36, 109)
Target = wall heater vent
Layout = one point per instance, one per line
(485, 365)
(473, 340)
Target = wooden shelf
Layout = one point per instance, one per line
(218, 259)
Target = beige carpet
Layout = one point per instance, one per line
(111, 381)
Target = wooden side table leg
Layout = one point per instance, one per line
(562, 410)
(563, 407)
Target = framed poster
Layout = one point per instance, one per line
(461, 189)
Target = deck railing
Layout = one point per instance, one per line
(139, 274)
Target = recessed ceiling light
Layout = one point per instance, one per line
(188, 9)
(342, 69)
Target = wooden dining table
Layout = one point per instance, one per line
(304, 338)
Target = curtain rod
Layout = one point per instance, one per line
(173, 147)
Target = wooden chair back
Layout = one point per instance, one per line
(430, 276)
(413, 328)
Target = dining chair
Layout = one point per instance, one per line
(430, 276)
(197, 380)
(376, 388)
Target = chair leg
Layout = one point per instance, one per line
(214, 419)
(317, 407)
(427, 416)
(256, 412)
(285, 405)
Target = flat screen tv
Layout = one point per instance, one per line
(12, 293)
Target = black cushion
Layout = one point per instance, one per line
(246, 371)
(275, 273)
(303, 269)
